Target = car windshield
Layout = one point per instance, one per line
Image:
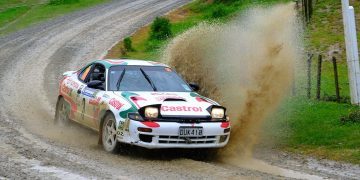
(145, 78)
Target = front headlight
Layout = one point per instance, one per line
(151, 112)
(217, 113)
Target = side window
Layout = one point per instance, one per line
(97, 73)
(84, 73)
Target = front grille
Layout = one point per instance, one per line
(187, 140)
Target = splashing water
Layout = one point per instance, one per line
(247, 65)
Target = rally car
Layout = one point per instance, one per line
(142, 103)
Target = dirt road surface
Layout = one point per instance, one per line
(32, 147)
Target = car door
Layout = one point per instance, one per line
(80, 97)
(91, 96)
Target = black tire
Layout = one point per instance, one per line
(61, 113)
(108, 134)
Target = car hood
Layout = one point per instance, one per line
(172, 103)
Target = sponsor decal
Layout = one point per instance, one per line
(114, 61)
(163, 94)
(89, 92)
(72, 83)
(65, 89)
(199, 99)
(106, 96)
(135, 99)
(72, 105)
(162, 98)
(181, 108)
(95, 101)
(83, 109)
(115, 103)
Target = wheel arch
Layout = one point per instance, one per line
(102, 118)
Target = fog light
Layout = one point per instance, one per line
(142, 129)
(145, 138)
(223, 138)
(226, 130)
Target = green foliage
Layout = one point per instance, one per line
(24, 13)
(128, 44)
(333, 98)
(313, 127)
(11, 14)
(225, 1)
(154, 45)
(219, 11)
(352, 117)
(161, 29)
(60, 2)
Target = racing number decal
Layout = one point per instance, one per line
(123, 127)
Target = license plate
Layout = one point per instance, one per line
(190, 131)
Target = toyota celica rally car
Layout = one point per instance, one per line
(142, 103)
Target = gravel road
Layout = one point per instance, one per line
(31, 147)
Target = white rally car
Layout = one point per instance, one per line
(142, 103)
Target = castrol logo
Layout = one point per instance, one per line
(181, 108)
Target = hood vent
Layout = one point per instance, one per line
(174, 99)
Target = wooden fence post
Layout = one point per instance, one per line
(318, 78)
(336, 78)
(309, 75)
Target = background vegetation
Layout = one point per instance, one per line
(19, 14)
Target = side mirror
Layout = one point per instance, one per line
(194, 86)
(95, 84)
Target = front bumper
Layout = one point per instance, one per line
(215, 135)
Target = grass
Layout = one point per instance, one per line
(314, 128)
(325, 33)
(16, 14)
(10, 14)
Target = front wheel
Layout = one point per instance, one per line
(61, 113)
(109, 139)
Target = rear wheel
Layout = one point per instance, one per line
(61, 113)
(109, 139)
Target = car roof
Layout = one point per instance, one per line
(128, 62)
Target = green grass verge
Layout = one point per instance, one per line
(16, 15)
(325, 33)
(10, 14)
(314, 128)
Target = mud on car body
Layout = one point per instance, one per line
(142, 103)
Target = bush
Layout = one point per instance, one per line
(219, 11)
(333, 98)
(128, 44)
(160, 29)
(60, 2)
(353, 117)
(153, 45)
(225, 1)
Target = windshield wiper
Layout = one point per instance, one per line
(119, 80)
(148, 79)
